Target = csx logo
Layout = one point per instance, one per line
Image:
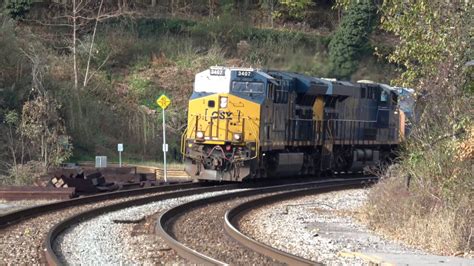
(221, 115)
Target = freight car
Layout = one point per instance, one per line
(249, 123)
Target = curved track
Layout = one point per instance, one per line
(252, 250)
(22, 232)
(52, 257)
(14, 217)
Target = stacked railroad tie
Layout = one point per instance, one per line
(84, 184)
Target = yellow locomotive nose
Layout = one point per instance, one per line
(223, 118)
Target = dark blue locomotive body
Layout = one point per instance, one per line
(310, 125)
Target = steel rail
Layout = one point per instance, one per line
(14, 217)
(232, 215)
(52, 258)
(165, 220)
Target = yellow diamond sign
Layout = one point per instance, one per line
(163, 101)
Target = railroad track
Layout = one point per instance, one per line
(51, 254)
(22, 232)
(195, 230)
(11, 218)
(40, 221)
(54, 256)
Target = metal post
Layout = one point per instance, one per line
(164, 145)
(120, 159)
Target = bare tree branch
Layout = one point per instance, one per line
(92, 45)
(97, 70)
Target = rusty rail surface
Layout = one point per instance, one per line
(164, 223)
(35, 193)
(52, 258)
(13, 217)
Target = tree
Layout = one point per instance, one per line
(351, 38)
(270, 6)
(75, 19)
(18, 9)
(435, 39)
(430, 32)
(12, 121)
(83, 13)
(295, 8)
(433, 50)
(44, 128)
(41, 124)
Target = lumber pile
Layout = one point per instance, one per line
(84, 184)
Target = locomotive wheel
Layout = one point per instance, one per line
(343, 160)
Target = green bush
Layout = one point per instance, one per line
(351, 40)
(18, 8)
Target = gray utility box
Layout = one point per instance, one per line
(100, 161)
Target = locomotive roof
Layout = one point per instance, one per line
(312, 85)
(300, 83)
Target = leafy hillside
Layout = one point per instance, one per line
(104, 76)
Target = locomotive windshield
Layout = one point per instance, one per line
(248, 87)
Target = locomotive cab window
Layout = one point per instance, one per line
(384, 96)
(248, 87)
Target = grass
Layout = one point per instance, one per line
(416, 217)
(434, 209)
(22, 174)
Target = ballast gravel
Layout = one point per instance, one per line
(109, 238)
(317, 227)
(10, 206)
(202, 229)
(22, 243)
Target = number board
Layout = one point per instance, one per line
(217, 71)
(244, 74)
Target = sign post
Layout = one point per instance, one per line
(164, 102)
(120, 150)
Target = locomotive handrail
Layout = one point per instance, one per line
(213, 117)
(257, 143)
(183, 142)
(352, 120)
(194, 128)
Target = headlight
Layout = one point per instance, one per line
(200, 135)
(237, 136)
(223, 102)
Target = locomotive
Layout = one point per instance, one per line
(248, 123)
